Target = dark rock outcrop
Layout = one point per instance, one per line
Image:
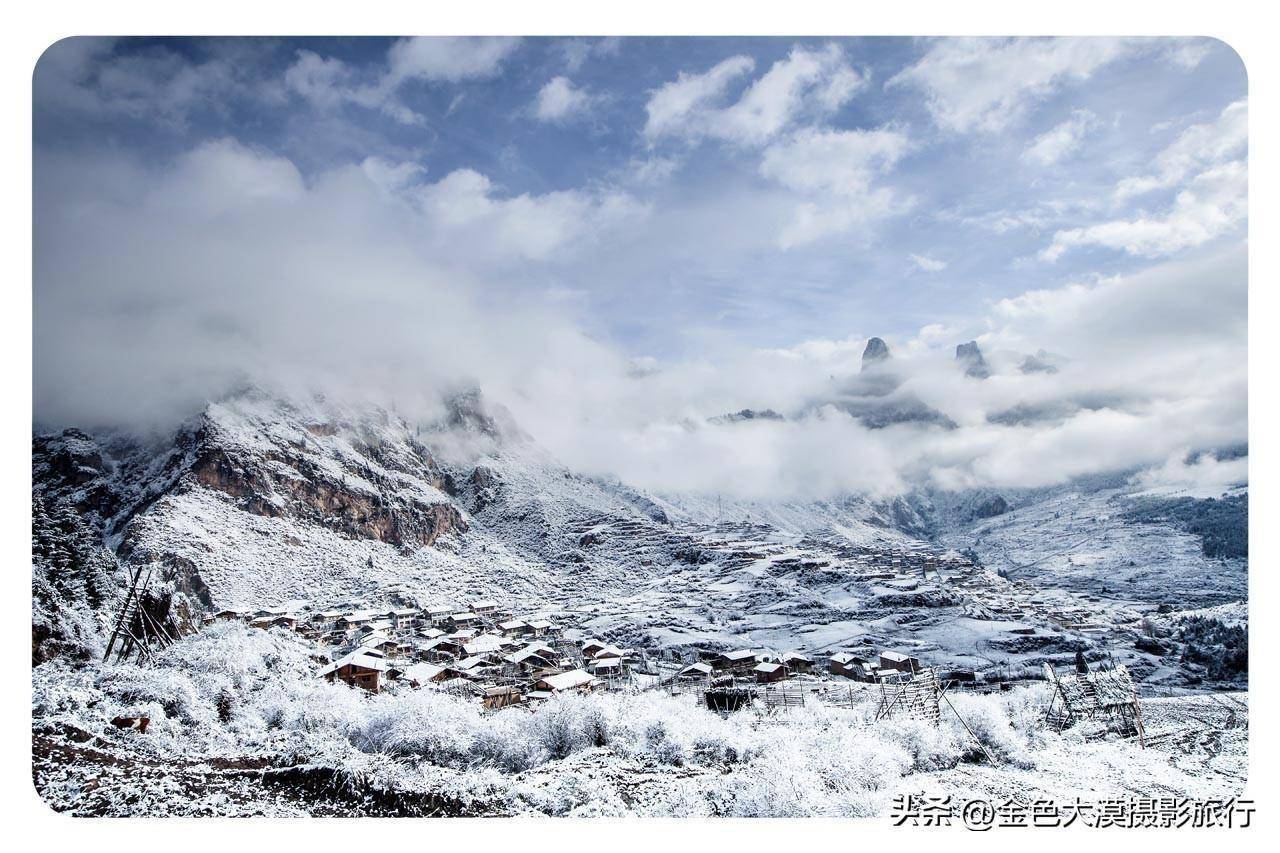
(876, 352)
(969, 357)
(747, 415)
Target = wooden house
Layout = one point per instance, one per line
(463, 619)
(500, 697)
(403, 618)
(606, 667)
(362, 668)
(423, 674)
(532, 657)
(514, 628)
(573, 681)
(767, 673)
(741, 660)
(849, 665)
(899, 662)
(796, 662)
(437, 615)
(695, 672)
(440, 649)
(356, 619)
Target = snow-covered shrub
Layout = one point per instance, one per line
(988, 718)
(823, 764)
(930, 747)
(423, 724)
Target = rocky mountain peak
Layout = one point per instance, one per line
(1041, 362)
(876, 352)
(969, 357)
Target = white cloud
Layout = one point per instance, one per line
(559, 100)
(1215, 202)
(1205, 476)
(1187, 53)
(576, 52)
(464, 204)
(449, 58)
(84, 75)
(808, 83)
(672, 107)
(988, 84)
(1064, 139)
(836, 172)
(1196, 147)
(929, 264)
(329, 83)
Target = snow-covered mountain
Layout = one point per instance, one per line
(263, 501)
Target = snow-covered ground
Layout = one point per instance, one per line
(240, 724)
(259, 503)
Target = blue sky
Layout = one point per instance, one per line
(680, 203)
(1134, 102)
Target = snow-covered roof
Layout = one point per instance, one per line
(767, 667)
(365, 658)
(528, 652)
(423, 672)
(895, 656)
(484, 644)
(568, 680)
(740, 654)
(512, 624)
(698, 667)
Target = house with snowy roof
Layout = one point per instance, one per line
(361, 668)
(573, 681)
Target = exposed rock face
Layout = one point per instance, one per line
(990, 507)
(281, 483)
(747, 415)
(1041, 362)
(904, 408)
(876, 352)
(969, 357)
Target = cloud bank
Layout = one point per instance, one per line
(228, 266)
(743, 195)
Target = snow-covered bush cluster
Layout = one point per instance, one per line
(231, 691)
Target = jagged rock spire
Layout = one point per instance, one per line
(877, 351)
(970, 358)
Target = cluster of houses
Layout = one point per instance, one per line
(486, 651)
(766, 667)
(482, 650)
(762, 666)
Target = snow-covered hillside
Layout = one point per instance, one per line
(265, 501)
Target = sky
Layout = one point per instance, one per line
(619, 238)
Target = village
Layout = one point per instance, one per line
(487, 652)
